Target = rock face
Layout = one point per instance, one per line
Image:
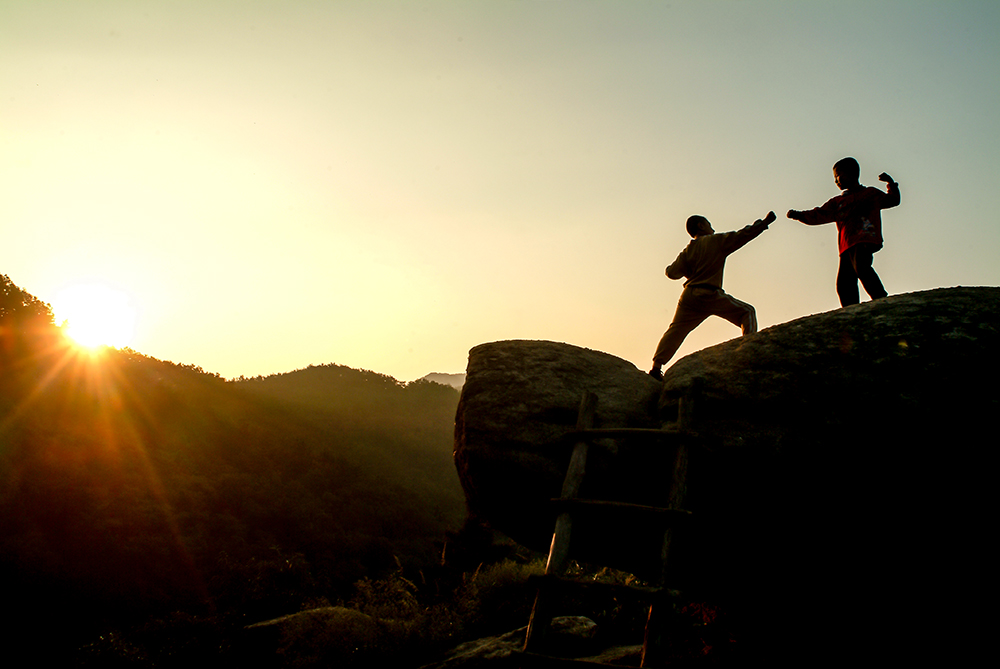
(845, 467)
(519, 401)
(868, 364)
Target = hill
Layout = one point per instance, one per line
(131, 486)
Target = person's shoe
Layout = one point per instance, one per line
(656, 374)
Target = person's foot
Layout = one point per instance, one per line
(656, 373)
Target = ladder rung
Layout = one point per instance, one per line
(529, 660)
(634, 592)
(563, 504)
(650, 433)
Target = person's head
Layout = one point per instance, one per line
(846, 173)
(699, 225)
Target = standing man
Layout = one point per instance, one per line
(702, 262)
(857, 212)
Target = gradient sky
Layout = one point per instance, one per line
(386, 184)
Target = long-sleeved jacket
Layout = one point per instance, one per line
(857, 214)
(703, 260)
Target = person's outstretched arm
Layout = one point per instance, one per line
(818, 216)
(740, 238)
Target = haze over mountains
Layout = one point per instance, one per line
(453, 380)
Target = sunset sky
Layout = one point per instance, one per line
(385, 185)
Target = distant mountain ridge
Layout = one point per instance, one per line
(453, 380)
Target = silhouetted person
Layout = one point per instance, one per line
(702, 262)
(859, 228)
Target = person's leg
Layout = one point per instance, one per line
(687, 317)
(737, 312)
(862, 261)
(847, 280)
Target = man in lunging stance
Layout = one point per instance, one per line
(702, 262)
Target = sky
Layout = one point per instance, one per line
(385, 185)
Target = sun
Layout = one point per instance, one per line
(95, 315)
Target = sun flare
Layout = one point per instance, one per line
(95, 315)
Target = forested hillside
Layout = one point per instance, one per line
(130, 486)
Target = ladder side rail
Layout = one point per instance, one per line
(541, 616)
(654, 433)
(659, 613)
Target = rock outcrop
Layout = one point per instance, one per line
(325, 636)
(573, 635)
(842, 491)
(519, 401)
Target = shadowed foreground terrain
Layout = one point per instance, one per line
(152, 514)
(841, 490)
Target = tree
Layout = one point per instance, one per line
(26, 323)
(18, 307)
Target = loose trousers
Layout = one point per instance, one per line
(696, 304)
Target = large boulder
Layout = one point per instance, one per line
(843, 492)
(876, 364)
(847, 484)
(519, 401)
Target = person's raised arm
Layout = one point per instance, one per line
(892, 190)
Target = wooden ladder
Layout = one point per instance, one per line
(677, 436)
